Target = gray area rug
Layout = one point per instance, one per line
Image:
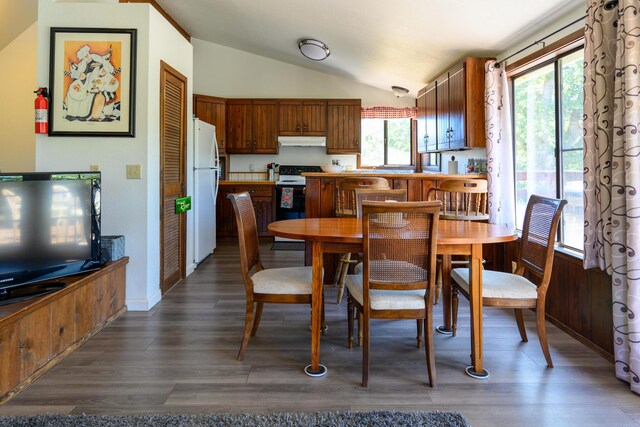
(370, 419)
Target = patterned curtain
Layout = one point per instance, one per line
(612, 168)
(390, 113)
(500, 174)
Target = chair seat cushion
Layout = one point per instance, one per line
(381, 299)
(289, 280)
(496, 284)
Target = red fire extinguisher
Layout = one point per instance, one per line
(42, 110)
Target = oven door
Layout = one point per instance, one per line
(297, 207)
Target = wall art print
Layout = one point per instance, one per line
(92, 82)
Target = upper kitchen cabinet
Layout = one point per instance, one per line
(454, 111)
(212, 110)
(427, 118)
(343, 126)
(302, 117)
(252, 126)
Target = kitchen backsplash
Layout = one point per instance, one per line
(304, 156)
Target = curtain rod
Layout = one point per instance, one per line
(608, 6)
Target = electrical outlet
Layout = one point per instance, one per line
(94, 168)
(133, 172)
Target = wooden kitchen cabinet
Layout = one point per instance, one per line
(302, 117)
(252, 126)
(262, 196)
(213, 110)
(454, 111)
(343, 126)
(427, 119)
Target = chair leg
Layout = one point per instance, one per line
(438, 280)
(359, 329)
(365, 353)
(520, 321)
(256, 319)
(454, 310)
(344, 269)
(350, 314)
(419, 337)
(429, 349)
(542, 334)
(247, 330)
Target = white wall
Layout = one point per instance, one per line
(17, 83)
(573, 15)
(129, 207)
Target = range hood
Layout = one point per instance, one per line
(302, 141)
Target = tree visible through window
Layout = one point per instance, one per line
(548, 140)
(386, 142)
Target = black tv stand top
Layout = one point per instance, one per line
(25, 292)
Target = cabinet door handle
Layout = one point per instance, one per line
(356, 142)
(298, 128)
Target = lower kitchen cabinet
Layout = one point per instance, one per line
(262, 196)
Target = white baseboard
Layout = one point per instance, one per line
(143, 304)
(191, 268)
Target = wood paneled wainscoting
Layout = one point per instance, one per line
(37, 334)
(578, 301)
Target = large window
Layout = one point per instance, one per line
(386, 142)
(548, 140)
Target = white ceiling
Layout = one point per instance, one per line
(377, 42)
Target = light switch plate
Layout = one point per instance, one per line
(133, 172)
(94, 168)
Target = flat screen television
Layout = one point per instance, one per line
(49, 228)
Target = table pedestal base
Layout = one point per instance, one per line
(321, 372)
(473, 374)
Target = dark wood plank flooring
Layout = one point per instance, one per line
(180, 358)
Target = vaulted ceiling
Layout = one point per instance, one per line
(376, 42)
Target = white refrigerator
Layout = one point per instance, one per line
(206, 177)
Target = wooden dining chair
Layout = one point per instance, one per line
(462, 200)
(290, 285)
(397, 282)
(534, 263)
(346, 206)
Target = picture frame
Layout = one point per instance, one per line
(92, 76)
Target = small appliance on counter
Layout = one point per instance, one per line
(452, 166)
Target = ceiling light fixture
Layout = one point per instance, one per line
(399, 91)
(314, 49)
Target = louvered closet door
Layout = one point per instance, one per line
(173, 119)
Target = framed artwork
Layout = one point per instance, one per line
(92, 74)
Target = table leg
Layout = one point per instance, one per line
(315, 369)
(446, 296)
(475, 303)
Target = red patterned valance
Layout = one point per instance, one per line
(389, 113)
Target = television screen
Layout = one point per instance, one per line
(49, 225)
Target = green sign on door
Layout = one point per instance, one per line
(183, 204)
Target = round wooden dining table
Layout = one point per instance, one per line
(344, 235)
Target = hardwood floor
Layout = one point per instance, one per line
(180, 357)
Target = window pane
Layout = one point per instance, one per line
(571, 91)
(372, 142)
(573, 213)
(399, 141)
(535, 139)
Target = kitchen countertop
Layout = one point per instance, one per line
(396, 175)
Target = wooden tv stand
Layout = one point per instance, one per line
(38, 333)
